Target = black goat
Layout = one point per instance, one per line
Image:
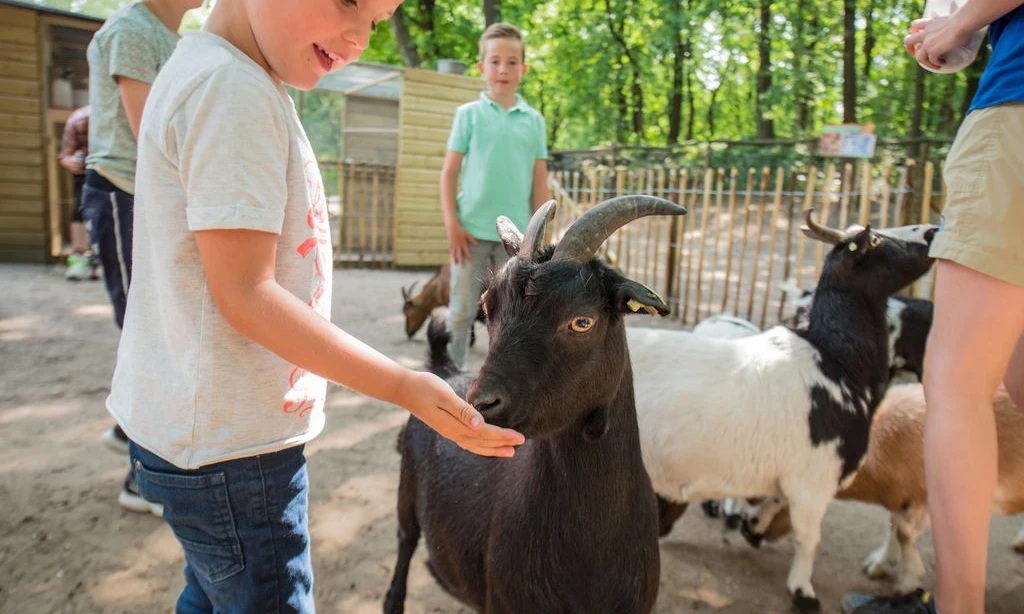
(570, 523)
(910, 320)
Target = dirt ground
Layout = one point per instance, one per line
(66, 546)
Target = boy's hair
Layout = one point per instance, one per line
(501, 31)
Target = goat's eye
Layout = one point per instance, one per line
(581, 324)
(875, 240)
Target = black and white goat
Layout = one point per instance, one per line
(910, 319)
(570, 523)
(785, 413)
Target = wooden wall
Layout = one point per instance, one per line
(370, 130)
(23, 215)
(429, 100)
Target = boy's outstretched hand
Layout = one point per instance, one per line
(459, 241)
(433, 401)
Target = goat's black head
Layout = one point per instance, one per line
(877, 263)
(557, 350)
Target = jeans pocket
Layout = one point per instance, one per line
(199, 512)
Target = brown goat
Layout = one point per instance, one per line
(435, 293)
(893, 477)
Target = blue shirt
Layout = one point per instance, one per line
(500, 149)
(1003, 80)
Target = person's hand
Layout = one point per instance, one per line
(432, 400)
(459, 241)
(75, 164)
(930, 39)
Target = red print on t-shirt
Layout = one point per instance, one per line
(319, 246)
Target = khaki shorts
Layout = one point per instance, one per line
(983, 220)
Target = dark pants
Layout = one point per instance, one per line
(108, 214)
(77, 183)
(244, 527)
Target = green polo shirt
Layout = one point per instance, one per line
(500, 149)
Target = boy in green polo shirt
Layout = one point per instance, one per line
(498, 147)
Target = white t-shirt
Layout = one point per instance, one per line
(220, 147)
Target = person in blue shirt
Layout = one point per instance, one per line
(976, 338)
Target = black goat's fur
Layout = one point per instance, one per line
(570, 523)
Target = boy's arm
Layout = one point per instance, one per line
(459, 238)
(541, 193)
(239, 266)
(68, 146)
(133, 99)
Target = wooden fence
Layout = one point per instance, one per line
(730, 254)
(363, 214)
(740, 239)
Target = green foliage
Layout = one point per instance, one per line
(584, 56)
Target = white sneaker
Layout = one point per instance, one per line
(78, 268)
(115, 439)
(131, 500)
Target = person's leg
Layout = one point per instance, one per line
(1014, 377)
(978, 320)
(108, 214)
(464, 301)
(244, 527)
(78, 262)
(123, 216)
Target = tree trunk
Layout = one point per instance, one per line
(917, 117)
(492, 11)
(406, 46)
(849, 62)
(869, 41)
(636, 86)
(805, 103)
(765, 123)
(691, 115)
(675, 97)
(799, 82)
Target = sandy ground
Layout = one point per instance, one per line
(65, 545)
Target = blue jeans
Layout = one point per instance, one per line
(467, 284)
(109, 214)
(244, 527)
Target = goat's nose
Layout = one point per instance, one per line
(487, 403)
(929, 235)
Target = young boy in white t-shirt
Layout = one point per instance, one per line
(227, 342)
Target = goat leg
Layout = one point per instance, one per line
(807, 507)
(668, 513)
(408, 538)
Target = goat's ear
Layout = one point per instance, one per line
(510, 236)
(633, 297)
(860, 243)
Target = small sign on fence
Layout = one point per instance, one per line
(848, 141)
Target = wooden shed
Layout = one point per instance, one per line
(429, 100)
(37, 46)
(395, 127)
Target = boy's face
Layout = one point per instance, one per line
(303, 40)
(503, 67)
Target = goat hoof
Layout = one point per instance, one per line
(393, 604)
(805, 605)
(711, 508)
(733, 521)
(1018, 546)
(752, 538)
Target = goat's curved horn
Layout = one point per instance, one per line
(407, 292)
(585, 235)
(533, 238)
(814, 230)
